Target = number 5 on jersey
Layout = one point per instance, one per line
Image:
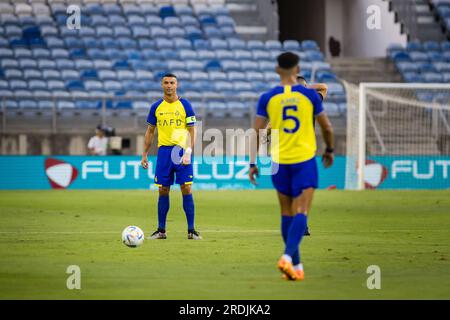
(291, 117)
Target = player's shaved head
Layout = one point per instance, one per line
(288, 67)
(288, 60)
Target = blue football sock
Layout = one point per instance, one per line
(163, 209)
(189, 209)
(285, 225)
(295, 234)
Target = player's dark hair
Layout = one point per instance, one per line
(169, 75)
(288, 60)
(301, 78)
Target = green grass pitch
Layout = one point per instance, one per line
(405, 233)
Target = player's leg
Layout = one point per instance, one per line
(164, 178)
(184, 177)
(287, 215)
(189, 210)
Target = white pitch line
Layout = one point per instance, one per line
(119, 231)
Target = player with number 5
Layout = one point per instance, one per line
(291, 109)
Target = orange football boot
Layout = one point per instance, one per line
(300, 276)
(287, 269)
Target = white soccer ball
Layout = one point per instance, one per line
(133, 236)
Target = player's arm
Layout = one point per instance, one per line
(190, 127)
(328, 137)
(321, 88)
(261, 122)
(149, 134)
(148, 140)
(190, 145)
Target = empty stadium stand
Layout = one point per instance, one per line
(422, 62)
(123, 48)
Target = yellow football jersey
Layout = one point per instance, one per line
(171, 120)
(291, 111)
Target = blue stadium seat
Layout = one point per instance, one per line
(77, 53)
(217, 109)
(28, 104)
(162, 43)
(13, 74)
(37, 85)
(117, 20)
(408, 67)
(267, 66)
(61, 104)
(49, 74)
(194, 65)
(18, 84)
(201, 44)
(6, 53)
(221, 86)
(336, 89)
(236, 44)
(413, 77)
(260, 55)
(291, 45)
(442, 66)
(45, 104)
(83, 64)
(418, 56)
(315, 56)
(218, 44)
(18, 43)
(199, 76)
(242, 54)
(46, 63)
(176, 32)
(213, 32)
(433, 77)
(435, 56)
(224, 54)
(331, 108)
(249, 65)
(89, 74)
(242, 86)
(167, 11)
(426, 67)
(237, 109)
(127, 43)
(32, 74)
(271, 76)
(236, 76)
(431, 46)
(112, 9)
(67, 74)
(9, 63)
(231, 65)
(206, 54)
(144, 75)
(217, 76)
(310, 45)
(189, 21)
(414, 46)
(182, 44)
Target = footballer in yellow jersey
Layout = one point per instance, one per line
(292, 109)
(174, 118)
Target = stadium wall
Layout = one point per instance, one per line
(125, 172)
(346, 20)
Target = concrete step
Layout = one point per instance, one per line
(356, 70)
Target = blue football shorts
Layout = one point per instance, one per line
(168, 166)
(292, 179)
